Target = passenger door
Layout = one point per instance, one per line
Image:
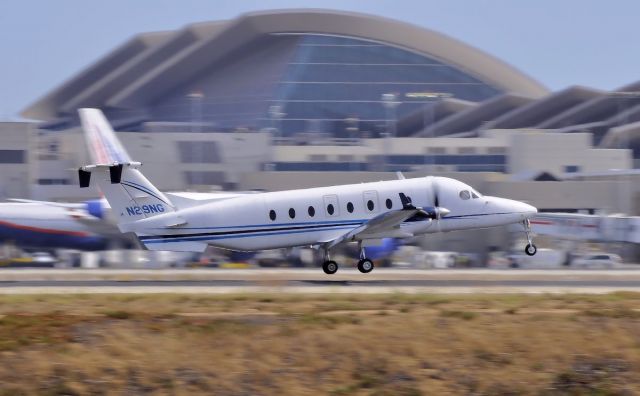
(331, 207)
(371, 204)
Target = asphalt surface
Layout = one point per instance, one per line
(429, 283)
(216, 281)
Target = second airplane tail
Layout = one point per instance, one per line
(131, 195)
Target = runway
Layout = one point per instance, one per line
(216, 281)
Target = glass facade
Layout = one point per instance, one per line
(336, 84)
(310, 83)
(461, 163)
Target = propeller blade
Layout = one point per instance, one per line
(434, 189)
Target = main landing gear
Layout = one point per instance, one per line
(330, 267)
(530, 249)
(364, 264)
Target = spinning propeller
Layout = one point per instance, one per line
(435, 212)
(438, 211)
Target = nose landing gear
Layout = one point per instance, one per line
(530, 249)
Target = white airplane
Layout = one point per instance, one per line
(319, 217)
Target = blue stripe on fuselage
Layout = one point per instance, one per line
(248, 235)
(313, 226)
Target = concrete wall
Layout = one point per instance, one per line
(159, 153)
(603, 195)
(278, 181)
(15, 178)
(545, 151)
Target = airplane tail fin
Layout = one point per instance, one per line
(131, 195)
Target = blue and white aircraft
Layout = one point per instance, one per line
(321, 217)
(50, 225)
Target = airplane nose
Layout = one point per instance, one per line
(526, 209)
(523, 210)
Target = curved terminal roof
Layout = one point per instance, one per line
(430, 114)
(475, 117)
(534, 113)
(601, 107)
(152, 64)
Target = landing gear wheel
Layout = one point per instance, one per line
(365, 266)
(530, 249)
(330, 267)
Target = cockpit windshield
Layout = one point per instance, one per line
(469, 194)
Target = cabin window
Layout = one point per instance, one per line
(330, 209)
(292, 213)
(272, 215)
(311, 211)
(464, 194)
(389, 203)
(474, 195)
(349, 207)
(370, 205)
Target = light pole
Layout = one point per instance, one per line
(275, 115)
(196, 110)
(431, 99)
(390, 102)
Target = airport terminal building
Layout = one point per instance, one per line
(292, 98)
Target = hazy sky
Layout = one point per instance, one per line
(557, 42)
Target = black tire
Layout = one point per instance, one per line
(530, 249)
(365, 266)
(330, 267)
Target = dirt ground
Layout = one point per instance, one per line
(320, 345)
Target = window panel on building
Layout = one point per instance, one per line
(204, 177)
(12, 157)
(198, 152)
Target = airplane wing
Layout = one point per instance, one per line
(383, 226)
(387, 225)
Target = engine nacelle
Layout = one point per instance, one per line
(95, 208)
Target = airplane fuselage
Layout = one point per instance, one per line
(41, 226)
(317, 215)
